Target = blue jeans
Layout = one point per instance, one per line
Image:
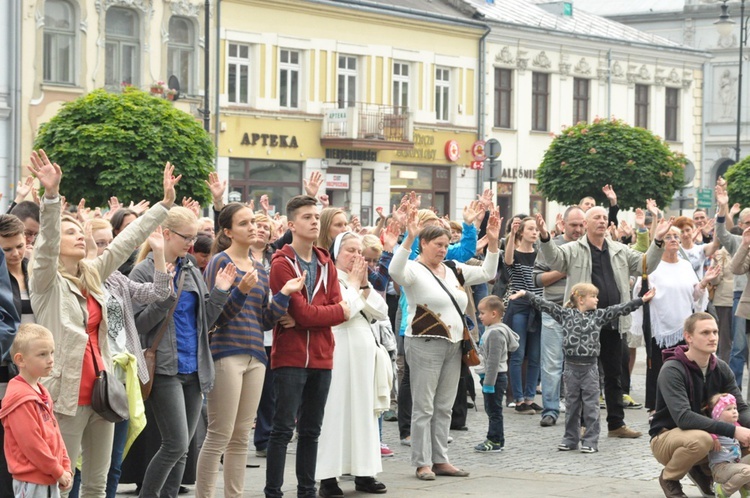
(738, 356)
(493, 405)
(301, 395)
(115, 465)
(552, 365)
(177, 402)
(529, 344)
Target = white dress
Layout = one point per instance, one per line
(349, 440)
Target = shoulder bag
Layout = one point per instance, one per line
(109, 398)
(150, 353)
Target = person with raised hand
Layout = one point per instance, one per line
(66, 290)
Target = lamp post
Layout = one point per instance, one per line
(725, 26)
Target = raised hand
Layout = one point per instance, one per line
(139, 208)
(49, 174)
(736, 208)
(313, 184)
(23, 189)
(114, 205)
(541, 226)
(652, 207)
(81, 211)
(412, 223)
(493, 227)
(559, 223)
(640, 218)
(294, 285)
(401, 214)
(471, 211)
(625, 229)
(216, 186)
(663, 227)
(88, 237)
(486, 199)
(324, 200)
(610, 193)
(192, 205)
(225, 277)
(355, 224)
(721, 181)
(712, 273)
(169, 182)
(390, 235)
(156, 241)
(379, 210)
(722, 197)
(248, 281)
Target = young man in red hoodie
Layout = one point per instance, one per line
(302, 352)
(34, 447)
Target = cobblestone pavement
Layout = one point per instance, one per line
(530, 465)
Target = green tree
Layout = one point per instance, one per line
(587, 156)
(117, 144)
(738, 182)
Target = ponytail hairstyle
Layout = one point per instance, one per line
(178, 217)
(578, 292)
(88, 279)
(222, 242)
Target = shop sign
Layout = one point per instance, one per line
(270, 140)
(477, 165)
(336, 115)
(424, 148)
(344, 157)
(452, 151)
(335, 181)
(477, 151)
(513, 173)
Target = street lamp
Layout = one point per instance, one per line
(725, 26)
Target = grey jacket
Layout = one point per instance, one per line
(740, 266)
(731, 243)
(497, 341)
(148, 320)
(574, 259)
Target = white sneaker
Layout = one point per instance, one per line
(562, 406)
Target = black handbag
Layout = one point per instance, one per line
(109, 398)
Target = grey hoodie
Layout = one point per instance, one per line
(497, 341)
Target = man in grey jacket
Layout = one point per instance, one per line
(608, 265)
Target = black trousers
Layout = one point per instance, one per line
(611, 358)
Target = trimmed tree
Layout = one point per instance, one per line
(738, 182)
(117, 144)
(587, 156)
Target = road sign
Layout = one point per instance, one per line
(492, 148)
(705, 198)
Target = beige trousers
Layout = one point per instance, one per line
(680, 450)
(232, 405)
(732, 476)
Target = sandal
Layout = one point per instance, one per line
(425, 475)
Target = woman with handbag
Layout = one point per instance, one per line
(177, 330)
(433, 341)
(66, 292)
(349, 437)
(237, 349)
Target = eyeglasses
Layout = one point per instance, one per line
(187, 239)
(671, 237)
(29, 234)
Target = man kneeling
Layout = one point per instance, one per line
(680, 431)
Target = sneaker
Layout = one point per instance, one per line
(703, 481)
(624, 432)
(672, 489)
(538, 409)
(406, 441)
(588, 449)
(390, 416)
(524, 409)
(562, 406)
(564, 447)
(385, 451)
(602, 403)
(630, 403)
(719, 493)
(547, 421)
(450, 440)
(261, 453)
(510, 404)
(488, 447)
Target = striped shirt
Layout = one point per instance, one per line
(521, 273)
(239, 329)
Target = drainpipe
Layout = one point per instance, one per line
(481, 99)
(609, 83)
(217, 65)
(207, 67)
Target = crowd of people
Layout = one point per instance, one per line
(308, 327)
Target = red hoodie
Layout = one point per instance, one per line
(310, 343)
(34, 447)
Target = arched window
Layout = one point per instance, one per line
(181, 55)
(123, 48)
(59, 42)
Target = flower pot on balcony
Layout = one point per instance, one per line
(157, 90)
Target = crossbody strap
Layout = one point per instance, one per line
(165, 323)
(453, 300)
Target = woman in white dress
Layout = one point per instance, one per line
(349, 441)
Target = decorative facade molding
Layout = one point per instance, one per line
(659, 78)
(522, 62)
(185, 8)
(565, 68)
(583, 67)
(541, 60)
(145, 6)
(617, 70)
(504, 56)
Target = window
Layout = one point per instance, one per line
(442, 94)
(503, 97)
(539, 101)
(122, 48)
(641, 105)
(181, 54)
(279, 180)
(580, 99)
(238, 74)
(289, 79)
(672, 112)
(59, 42)
(347, 89)
(400, 87)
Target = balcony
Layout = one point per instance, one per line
(367, 126)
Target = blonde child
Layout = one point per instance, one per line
(581, 323)
(34, 447)
(731, 472)
(497, 341)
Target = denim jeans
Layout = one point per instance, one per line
(176, 402)
(552, 365)
(528, 345)
(264, 417)
(738, 356)
(301, 395)
(493, 405)
(115, 465)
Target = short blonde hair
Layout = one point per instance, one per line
(27, 333)
(100, 224)
(372, 241)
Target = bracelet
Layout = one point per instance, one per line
(364, 287)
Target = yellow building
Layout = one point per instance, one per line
(378, 97)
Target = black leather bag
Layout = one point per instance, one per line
(109, 398)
